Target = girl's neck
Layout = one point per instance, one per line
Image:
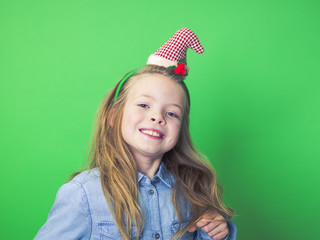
(147, 166)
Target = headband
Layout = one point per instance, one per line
(125, 78)
(172, 55)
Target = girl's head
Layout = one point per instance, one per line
(152, 106)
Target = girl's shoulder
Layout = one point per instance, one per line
(87, 176)
(87, 184)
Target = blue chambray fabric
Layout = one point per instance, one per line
(80, 211)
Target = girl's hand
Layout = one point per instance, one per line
(216, 230)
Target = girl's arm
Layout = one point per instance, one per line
(69, 218)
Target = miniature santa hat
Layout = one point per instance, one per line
(172, 54)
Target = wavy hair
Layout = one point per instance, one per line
(195, 177)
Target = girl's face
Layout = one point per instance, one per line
(152, 116)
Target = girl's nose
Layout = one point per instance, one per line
(157, 120)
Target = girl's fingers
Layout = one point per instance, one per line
(219, 231)
(210, 226)
(192, 228)
(201, 223)
(220, 235)
(215, 229)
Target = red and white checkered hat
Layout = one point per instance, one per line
(173, 53)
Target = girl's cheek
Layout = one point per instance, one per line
(178, 127)
(133, 115)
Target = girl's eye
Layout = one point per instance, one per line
(171, 114)
(143, 105)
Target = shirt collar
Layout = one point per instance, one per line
(163, 174)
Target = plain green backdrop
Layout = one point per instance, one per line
(254, 100)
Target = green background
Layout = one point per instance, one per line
(254, 110)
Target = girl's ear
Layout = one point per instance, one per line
(111, 117)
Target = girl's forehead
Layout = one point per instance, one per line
(150, 82)
(156, 85)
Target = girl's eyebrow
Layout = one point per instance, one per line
(148, 96)
(176, 105)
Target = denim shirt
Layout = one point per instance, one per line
(80, 211)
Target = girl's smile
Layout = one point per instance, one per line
(152, 116)
(153, 133)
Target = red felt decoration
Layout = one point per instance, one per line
(181, 65)
(180, 69)
(177, 70)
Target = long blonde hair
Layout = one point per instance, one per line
(195, 177)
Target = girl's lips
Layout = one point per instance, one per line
(153, 133)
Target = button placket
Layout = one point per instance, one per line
(151, 191)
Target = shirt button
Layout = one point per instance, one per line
(151, 191)
(157, 235)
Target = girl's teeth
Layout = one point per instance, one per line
(151, 133)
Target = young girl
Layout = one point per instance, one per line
(146, 180)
